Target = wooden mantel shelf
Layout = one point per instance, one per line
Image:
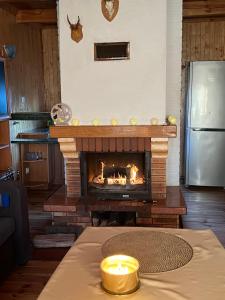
(121, 131)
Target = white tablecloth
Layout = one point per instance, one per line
(78, 275)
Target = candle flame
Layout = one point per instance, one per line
(118, 269)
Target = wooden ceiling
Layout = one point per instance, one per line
(203, 8)
(29, 4)
(44, 11)
(32, 11)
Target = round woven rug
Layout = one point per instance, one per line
(156, 251)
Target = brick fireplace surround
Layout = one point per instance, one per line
(167, 202)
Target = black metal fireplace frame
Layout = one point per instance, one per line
(114, 195)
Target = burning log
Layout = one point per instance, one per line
(118, 175)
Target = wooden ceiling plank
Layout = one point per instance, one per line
(203, 9)
(205, 6)
(14, 5)
(10, 8)
(47, 16)
(45, 2)
(205, 12)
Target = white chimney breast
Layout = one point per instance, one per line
(115, 89)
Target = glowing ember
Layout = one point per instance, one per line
(117, 180)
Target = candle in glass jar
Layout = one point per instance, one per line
(120, 274)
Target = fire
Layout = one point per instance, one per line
(133, 173)
(117, 178)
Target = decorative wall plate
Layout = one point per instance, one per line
(110, 9)
(61, 114)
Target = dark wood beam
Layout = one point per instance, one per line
(10, 8)
(47, 16)
(25, 3)
(203, 9)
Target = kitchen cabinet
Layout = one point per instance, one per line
(40, 159)
(5, 154)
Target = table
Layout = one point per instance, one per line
(203, 278)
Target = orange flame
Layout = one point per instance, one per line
(118, 178)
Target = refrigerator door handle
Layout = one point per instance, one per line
(209, 129)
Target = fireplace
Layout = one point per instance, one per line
(101, 161)
(116, 175)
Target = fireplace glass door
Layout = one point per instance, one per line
(116, 175)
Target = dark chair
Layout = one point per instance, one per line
(15, 245)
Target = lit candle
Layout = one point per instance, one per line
(120, 274)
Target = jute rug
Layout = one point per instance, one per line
(156, 251)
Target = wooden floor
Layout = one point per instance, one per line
(206, 210)
(26, 283)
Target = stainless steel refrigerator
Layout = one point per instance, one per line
(205, 125)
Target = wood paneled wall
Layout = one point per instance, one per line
(24, 72)
(52, 91)
(202, 40)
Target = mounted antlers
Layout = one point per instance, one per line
(76, 30)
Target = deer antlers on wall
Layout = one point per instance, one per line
(76, 30)
(110, 9)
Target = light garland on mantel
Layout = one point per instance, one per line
(132, 121)
(61, 114)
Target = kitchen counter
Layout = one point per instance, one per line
(35, 136)
(35, 141)
(29, 116)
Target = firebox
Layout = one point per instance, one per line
(116, 175)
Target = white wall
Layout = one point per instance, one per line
(115, 89)
(173, 84)
(148, 85)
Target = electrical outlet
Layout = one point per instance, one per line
(27, 171)
(23, 104)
